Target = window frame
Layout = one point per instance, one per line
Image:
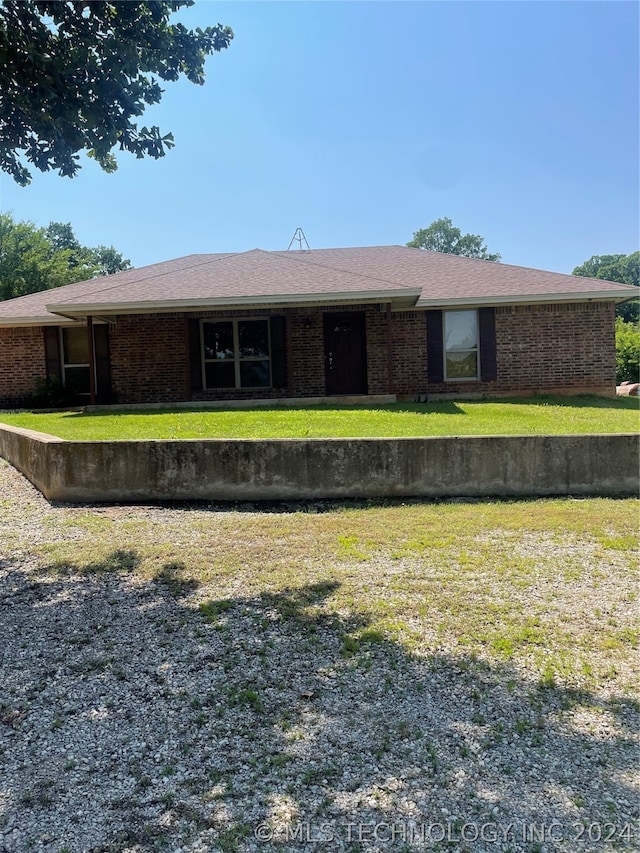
(445, 351)
(237, 359)
(64, 365)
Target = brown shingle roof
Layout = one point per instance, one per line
(398, 274)
(33, 306)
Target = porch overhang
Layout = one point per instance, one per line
(399, 299)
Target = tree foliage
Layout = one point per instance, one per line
(443, 236)
(73, 75)
(34, 259)
(622, 268)
(103, 260)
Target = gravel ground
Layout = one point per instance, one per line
(128, 722)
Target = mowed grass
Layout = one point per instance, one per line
(542, 415)
(548, 587)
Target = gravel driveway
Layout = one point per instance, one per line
(129, 722)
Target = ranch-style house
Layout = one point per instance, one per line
(353, 322)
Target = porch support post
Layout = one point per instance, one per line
(291, 318)
(389, 351)
(92, 363)
(187, 359)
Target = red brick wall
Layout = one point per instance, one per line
(22, 363)
(563, 348)
(557, 346)
(149, 358)
(305, 351)
(377, 351)
(409, 352)
(540, 348)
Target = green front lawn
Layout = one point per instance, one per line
(542, 415)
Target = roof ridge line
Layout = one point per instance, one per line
(340, 269)
(147, 277)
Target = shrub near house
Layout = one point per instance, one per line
(627, 351)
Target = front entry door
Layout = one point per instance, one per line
(345, 353)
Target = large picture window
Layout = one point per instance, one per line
(461, 345)
(75, 360)
(236, 354)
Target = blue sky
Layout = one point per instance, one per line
(362, 122)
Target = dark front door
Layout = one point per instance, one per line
(345, 353)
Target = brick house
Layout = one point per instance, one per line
(386, 320)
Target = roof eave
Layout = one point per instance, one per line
(70, 313)
(38, 320)
(528, 299)
(406, 297)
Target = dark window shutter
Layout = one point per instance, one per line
(487, 329)
(103, 366)
(52, 353)
(435, 347)
(278, 352)
(195, 356)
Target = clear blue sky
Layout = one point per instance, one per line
(364, 121)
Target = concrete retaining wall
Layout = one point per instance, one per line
(324, 468)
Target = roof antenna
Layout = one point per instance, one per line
(298, 237)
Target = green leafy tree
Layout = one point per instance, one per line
(443, 236)
(62, 238)
(27, 263)
(103, 260)
(108, 260)
(73, 76)
(622, 268)
(34, 259)
(627, 351)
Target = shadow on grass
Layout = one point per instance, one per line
(121, 561)
(328, 505)
(443, 407)
(577, 402)
(194, 726)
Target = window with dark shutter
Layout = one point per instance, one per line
(236, 353)
(76, 362)
(461, 346)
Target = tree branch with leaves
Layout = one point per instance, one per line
(73, 76)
